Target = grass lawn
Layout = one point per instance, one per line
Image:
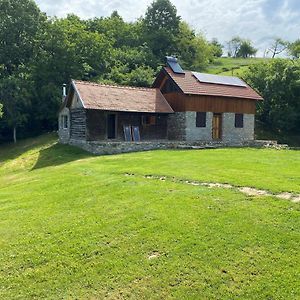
(232, 66)
(73, 226)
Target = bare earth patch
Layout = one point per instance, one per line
(253, 192)
(249, 191)
(153, 255)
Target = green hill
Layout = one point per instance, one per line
(141, 226)
(232, 66)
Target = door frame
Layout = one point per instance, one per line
(116, 125)
(220, 131)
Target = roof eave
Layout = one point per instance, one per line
(73, 82)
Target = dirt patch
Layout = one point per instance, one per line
(286, 196)
(296, 199)
(217, 185)
(153, 255)
(249, 191)
(253, 192)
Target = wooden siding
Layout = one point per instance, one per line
(181, 102)
(97, 125)
(78, 124)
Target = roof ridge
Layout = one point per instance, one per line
(114, 85)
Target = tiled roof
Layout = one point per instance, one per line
(121, 98)
(190, 85)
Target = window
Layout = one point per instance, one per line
(148, 120)
(64, 122)
(239, 121)
(201, 119)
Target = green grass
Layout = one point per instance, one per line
(232, 66)
(72, 226)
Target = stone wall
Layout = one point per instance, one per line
(182, 126)
(194, 133)
(177, 126)
(63, 133)
(230, 133)
(105, 148)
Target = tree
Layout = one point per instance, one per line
(1, 110)
(278, 82)
(234, 46)
(67, 50)
(278, 46)
(20, 22)
(294, 49)
(160, 28)
(15, 95)
(246, 49)
(217, 48)
(193, 50)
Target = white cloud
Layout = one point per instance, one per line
(258, 20)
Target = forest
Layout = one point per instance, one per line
(39, 53)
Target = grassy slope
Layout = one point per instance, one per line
(232, 66)
(73, 226)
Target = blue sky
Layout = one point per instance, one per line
(258, 20)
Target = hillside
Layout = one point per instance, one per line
(145, 225)
(232, 66)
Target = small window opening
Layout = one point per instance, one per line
(201, 119)
(239, 121)
(64, 122)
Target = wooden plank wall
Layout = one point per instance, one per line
(180, 102)
(78, 124)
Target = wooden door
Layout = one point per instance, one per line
(217, 127)
(111, 126)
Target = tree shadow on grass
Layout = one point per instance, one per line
(58, 154)
(10, 151)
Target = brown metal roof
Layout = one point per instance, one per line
(121, 98)
(190, 85)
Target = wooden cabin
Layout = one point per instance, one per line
(97, 112)
(207, 107)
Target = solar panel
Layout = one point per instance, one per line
(217, 79)
(174, 65)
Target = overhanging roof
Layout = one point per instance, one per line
(190, 85)
(121, 98)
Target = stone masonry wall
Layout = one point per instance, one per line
(177, 126)
(63, 133)
(194, 133)
(232, 134)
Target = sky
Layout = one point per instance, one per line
(257, 20)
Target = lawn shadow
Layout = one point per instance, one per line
(10, 151)
(58, 154)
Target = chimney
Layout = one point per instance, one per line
(64, 91)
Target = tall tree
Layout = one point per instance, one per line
(278, 46)
(234, 46)
(15, 95)
(193, 50)
(278, 83)
(20, 24)
(67, 50)
(160, 27)
(217, 48)
(246, 49)
(20, 21)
